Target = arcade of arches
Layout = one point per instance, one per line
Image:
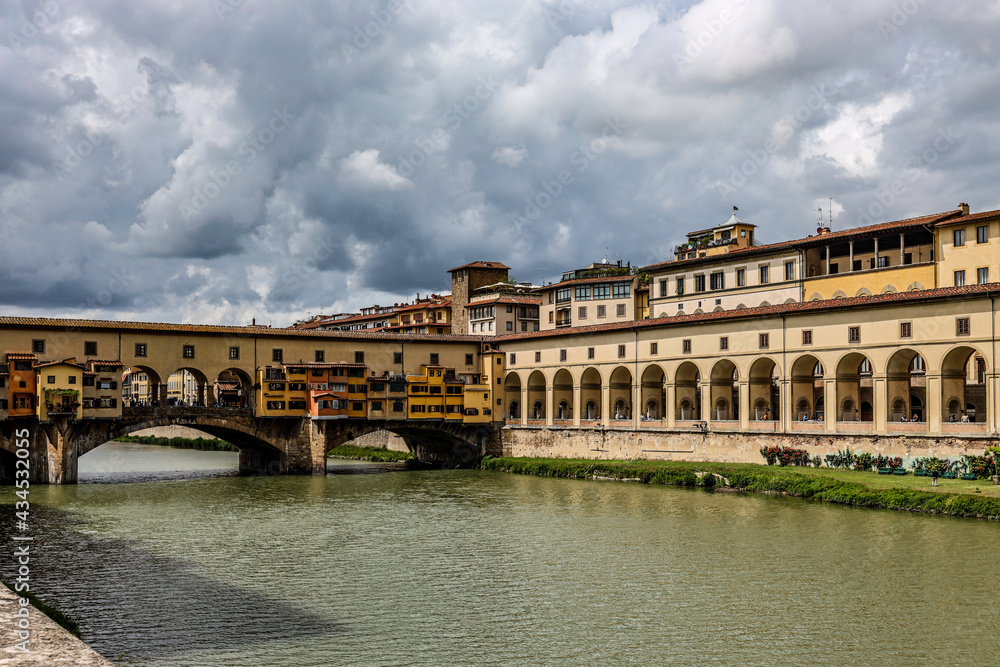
(841, 392)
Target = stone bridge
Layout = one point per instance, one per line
(267, 446)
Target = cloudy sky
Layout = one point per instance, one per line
(218, 160)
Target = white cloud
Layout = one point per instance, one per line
(509, 156)
(364, 168)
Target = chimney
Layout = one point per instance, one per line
(253, 323)
(964, 208)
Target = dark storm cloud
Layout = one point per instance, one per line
(218, 161)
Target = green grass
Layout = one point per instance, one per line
(52, 612)
(204, 444)
(859, 489)
(375, 454)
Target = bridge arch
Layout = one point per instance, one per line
(512, 395)
(562, 395)
(590, 394)
(687, 390)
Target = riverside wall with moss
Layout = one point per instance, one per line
(754, 478)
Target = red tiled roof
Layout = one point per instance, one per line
(343, 320)
(21, 355)
(875, 300)
(480, 264)
(208, 329)
(441, 303)
(505, 299)
(965, 218)
(818, 239)
(106, 362)
(66, 362)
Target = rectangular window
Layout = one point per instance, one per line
(524, 326)
(510, 325)
(435, 358)
(72, 379)
(807, 337)
(359, 357)
(538, 357)
(189, 352)
(962, 327)
(582, 312)
(468, 360)
(983, 234)
(959, 278)
(621, 310)
(582, 292)
(234, 353)
(983, 275)
(513, 359)
(88, 381)
(51, 379)
(621, 290)
(562, 355)
(680, 286)
(275, 405)
(277, 354)
(590, 353)
(699, 283)
(397, 357)
(510, 308)
(654, 348)
(883, 262)
(789, 270)
(551, 317)
(38, 346)
(765, 274)
(741, 277)
(602, 291)
(958, 236)
(853, 334)
(686, 346)
(297, 405)
(663, 288)
(319, 356)
(621, 351)
(717, 280)
(90, 348)
(564, 294)
(140, 349)
(906, 330)
(764, 341)
(723, 343)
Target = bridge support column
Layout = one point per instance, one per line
(53, 454)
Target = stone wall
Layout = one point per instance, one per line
(741, 447)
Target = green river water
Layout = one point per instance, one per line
(165, 557)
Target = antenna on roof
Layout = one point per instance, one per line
(831, 213)
(542, 269)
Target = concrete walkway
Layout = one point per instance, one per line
(49, 644)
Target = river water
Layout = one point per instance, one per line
(167, 558)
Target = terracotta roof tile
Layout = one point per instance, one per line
(480, 264)
(21, 355)
(968, 218)
(505, 299)
(106, 362)
(767, 311)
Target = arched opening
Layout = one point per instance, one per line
(141, 387)
(590, 394)
(725, 391)
(187, 387)
(621, 393)
(963, 386)
(854, 388)
(562, 394)
(512, 396)
(906, 386)
(234, 389)
(653, 392)
(807, 388)
(765, 394)
(687, 392)
(536, 395)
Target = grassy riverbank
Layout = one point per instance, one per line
(52, 612)
(374, 454)
(859, 489)
(203, 444)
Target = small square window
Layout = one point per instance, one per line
(807, 337)
(435, 359)
(590, 353)
(234, 353)
(983, 234)
(959, 278)
(51, 379)
(90, 348)
(510, 326)
(513, 359)
(359, 357)
(562, 355)
(654, 348)
(38, 346)
(397, 358)
(724, 342)
(983, 275)
(764, 341)
(621, 351)
(962, 327)
(277, 354)
(621, 310)
(319, 356)
(602, 311)
(538, 357)
(582, 312)
(188, 352)
(958, 237)
(906, 330)
(686, 346)
(468, 360)
(140, 349)
(72, 379)
(854, 334)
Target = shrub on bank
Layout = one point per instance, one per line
(202, 444)
(373, 454)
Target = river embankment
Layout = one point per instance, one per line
(831, 486)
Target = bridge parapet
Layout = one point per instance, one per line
(176, 412)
